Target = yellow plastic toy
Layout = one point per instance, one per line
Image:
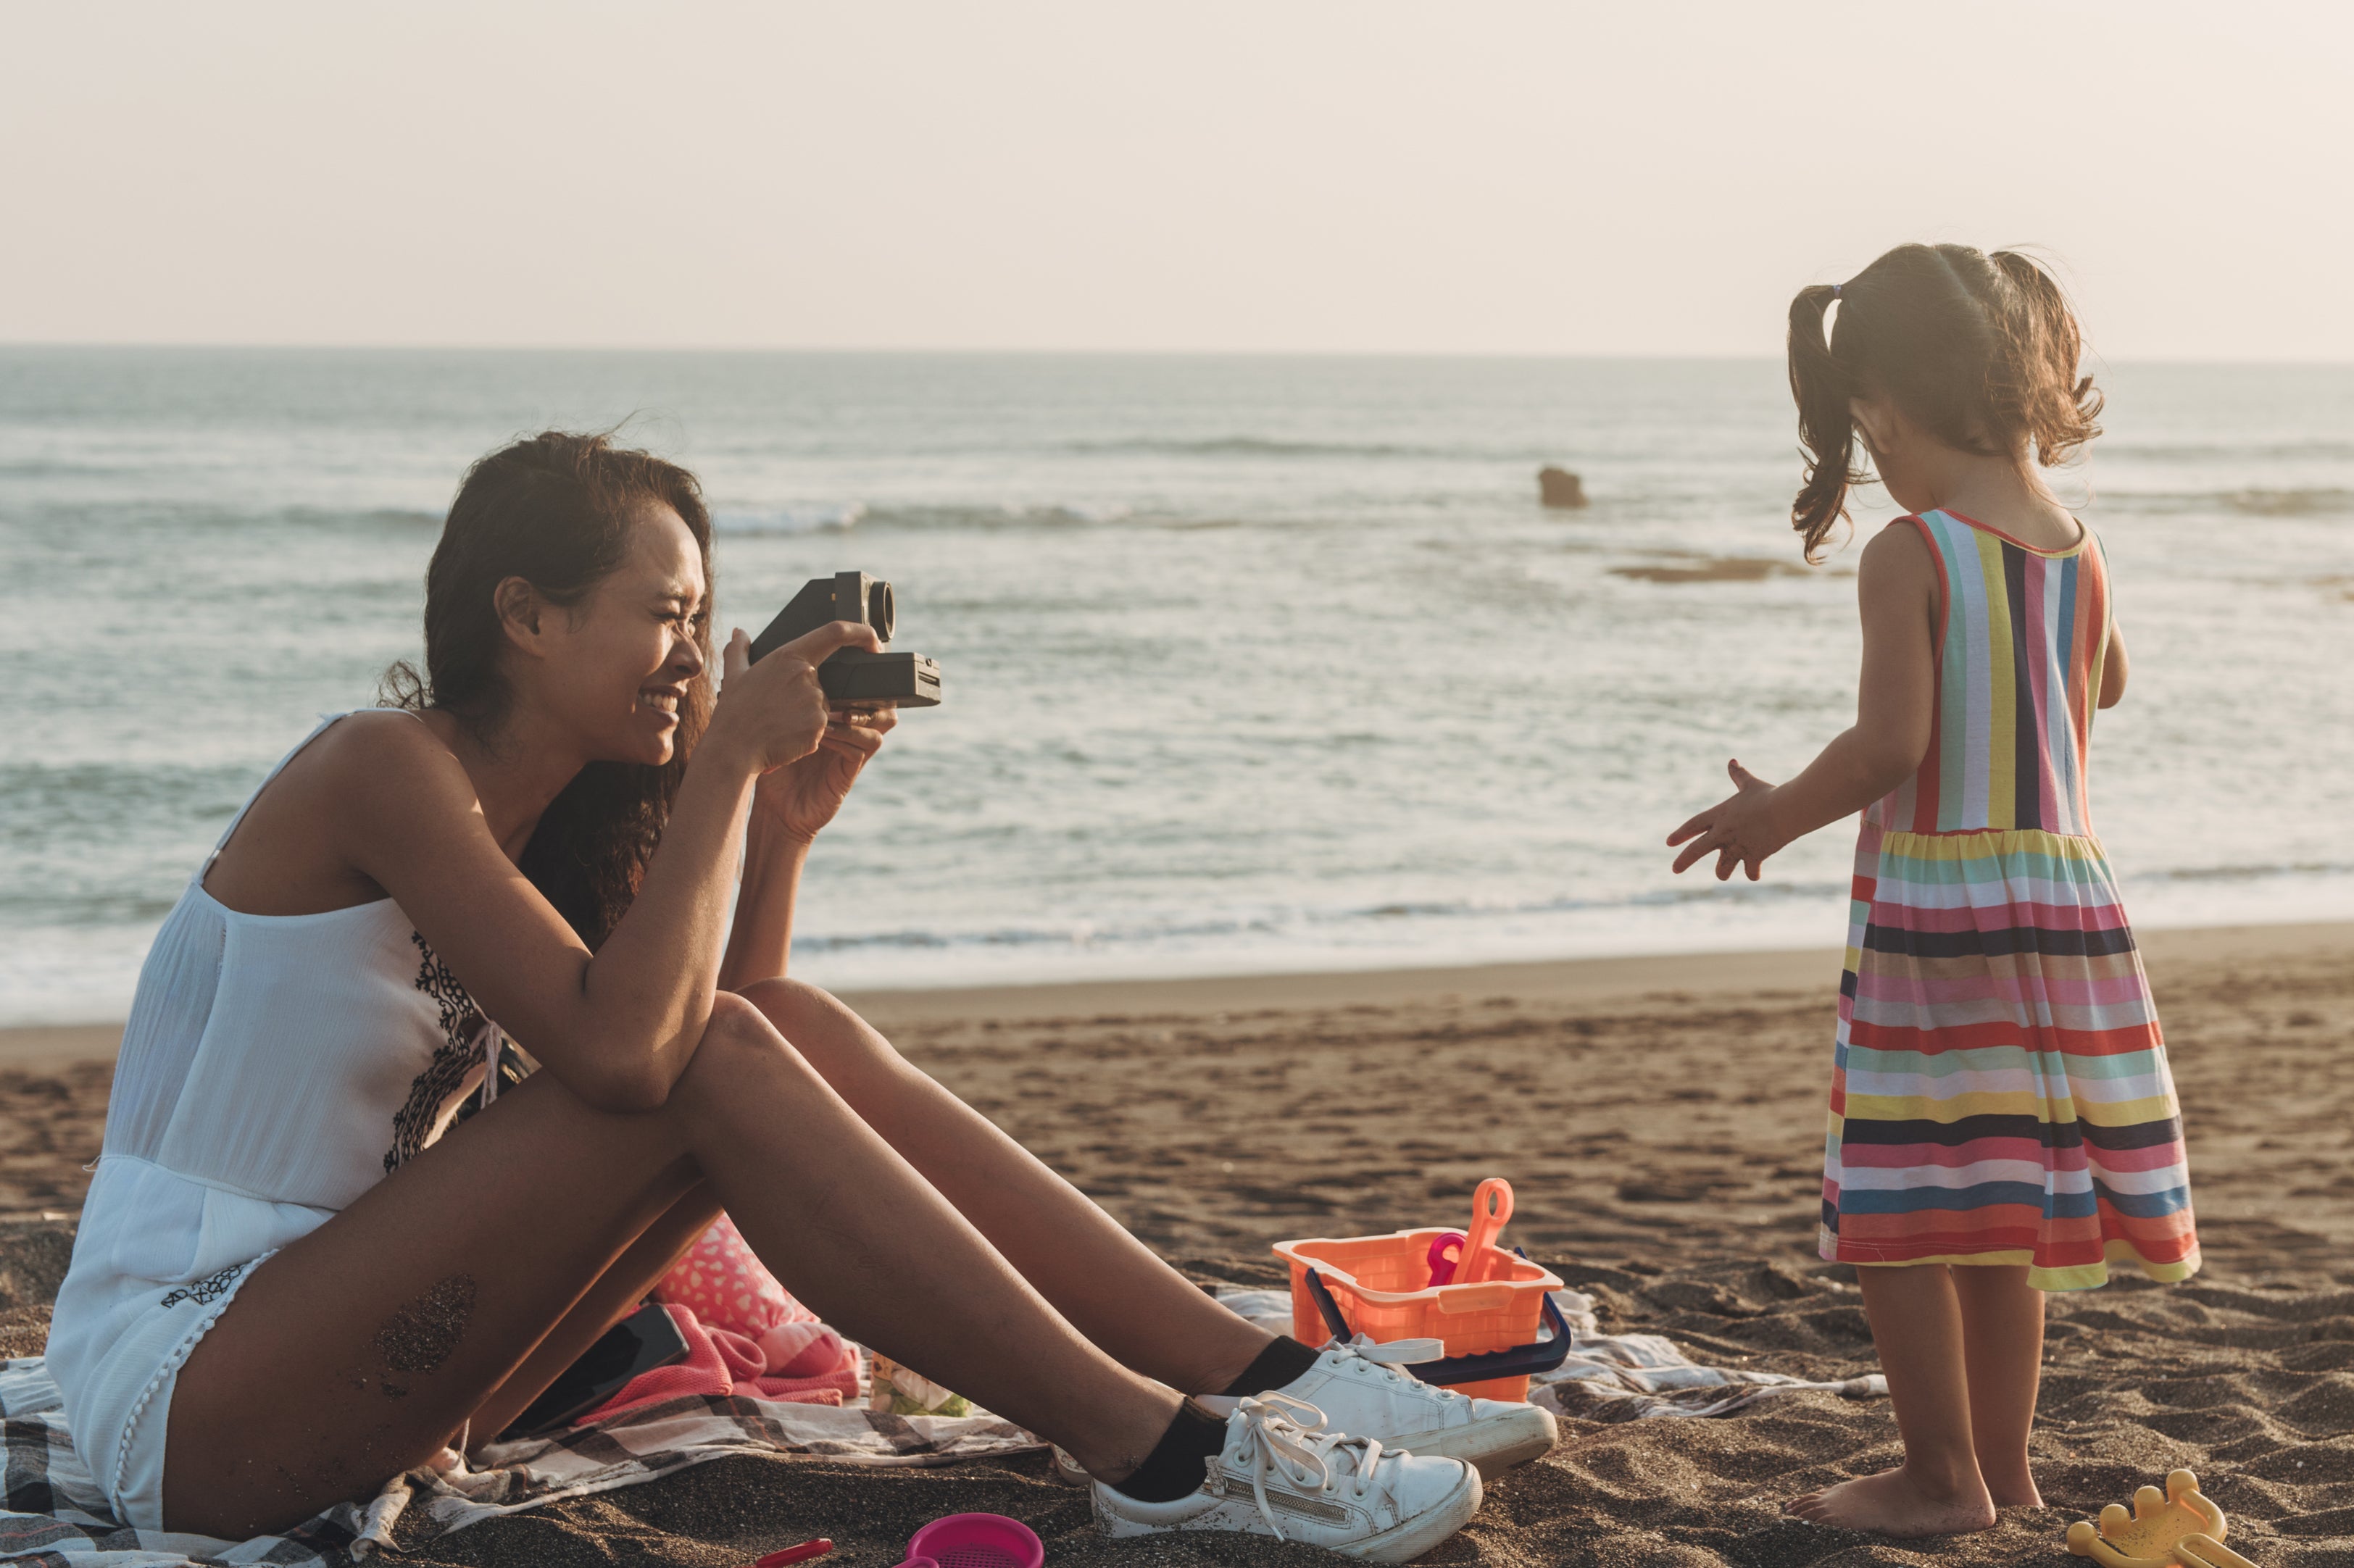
(2179, 1530)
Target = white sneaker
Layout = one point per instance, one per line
(1281, 1473)
(1361, 1392)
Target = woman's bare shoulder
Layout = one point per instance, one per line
(388, 756)
(292, 853)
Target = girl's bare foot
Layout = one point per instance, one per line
(1898, 1503)
(2014, 1490)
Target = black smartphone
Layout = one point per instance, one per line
(640, 1342)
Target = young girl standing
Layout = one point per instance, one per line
(2002, 1119)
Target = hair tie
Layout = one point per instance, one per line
(1836, 288)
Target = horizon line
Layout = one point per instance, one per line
(225, 345)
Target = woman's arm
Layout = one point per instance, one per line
(789, 809)
(618, 1026)
(1897, 590)
(762, 938)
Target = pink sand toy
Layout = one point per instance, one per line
(1491, 1205)
(975, 1540)
(1446, 1256)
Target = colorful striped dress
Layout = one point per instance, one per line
(2000, 1093)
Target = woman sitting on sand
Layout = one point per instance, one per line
(291, 1283)
(2002, 1118)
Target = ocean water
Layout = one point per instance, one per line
(1253, 663)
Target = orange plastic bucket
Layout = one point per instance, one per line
(1381, 1286)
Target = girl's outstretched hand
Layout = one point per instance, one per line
(1740, 828)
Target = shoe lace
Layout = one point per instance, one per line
(1298, 1448)
(1398, 1353)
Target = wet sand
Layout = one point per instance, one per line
(1661, 1121)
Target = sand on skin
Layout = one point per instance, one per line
(1662, 1120)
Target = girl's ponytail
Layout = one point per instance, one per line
(1980, 353)
(1822, 389)
(2057, 407)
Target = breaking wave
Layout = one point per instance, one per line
(2322, 501)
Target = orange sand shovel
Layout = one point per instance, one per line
(1491, 1205)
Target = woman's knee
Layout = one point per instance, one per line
(838, 1042)
(736, 1026)
(786, 1002)
(737, 1038)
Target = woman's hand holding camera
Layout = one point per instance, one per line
(775, 712)
(803, 796)
(806, 753)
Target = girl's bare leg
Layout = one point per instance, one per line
(2002, 1345)
(1916, 1327)
(359, 1350)
(1111, 1286)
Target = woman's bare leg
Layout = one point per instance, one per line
(614, 1297)
(358, 1351)
(2002, 1344)
(1111, 1286)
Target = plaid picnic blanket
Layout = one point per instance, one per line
(52, 1514)
(55, 1517)
(1613, 1377)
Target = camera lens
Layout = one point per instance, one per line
(878, 609)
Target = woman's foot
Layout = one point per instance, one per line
(1366, 1395)
(1277, 1477)
(1898, 1503)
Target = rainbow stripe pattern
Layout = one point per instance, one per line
(2000, 1093)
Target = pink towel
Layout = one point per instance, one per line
(745, 1334)
(720, 1362)
(727, 1285)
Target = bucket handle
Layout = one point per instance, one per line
(1517, 1360)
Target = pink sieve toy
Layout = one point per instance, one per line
(1491, 1205)
(1446, 1256)
(975, 1540)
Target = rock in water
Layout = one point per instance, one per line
(1559, 487)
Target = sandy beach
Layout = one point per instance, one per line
(1661, 1121)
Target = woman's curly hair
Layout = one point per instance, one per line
(557, 511)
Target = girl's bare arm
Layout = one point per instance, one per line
(2114, 668)
(1897, 593)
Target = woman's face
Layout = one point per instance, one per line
(617, 665)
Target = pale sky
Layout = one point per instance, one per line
(1479, 176)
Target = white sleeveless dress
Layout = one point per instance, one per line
(273, 1069)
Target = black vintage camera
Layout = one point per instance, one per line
(852, 675)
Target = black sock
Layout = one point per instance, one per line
(1180, 1460)
(1285, 1360)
